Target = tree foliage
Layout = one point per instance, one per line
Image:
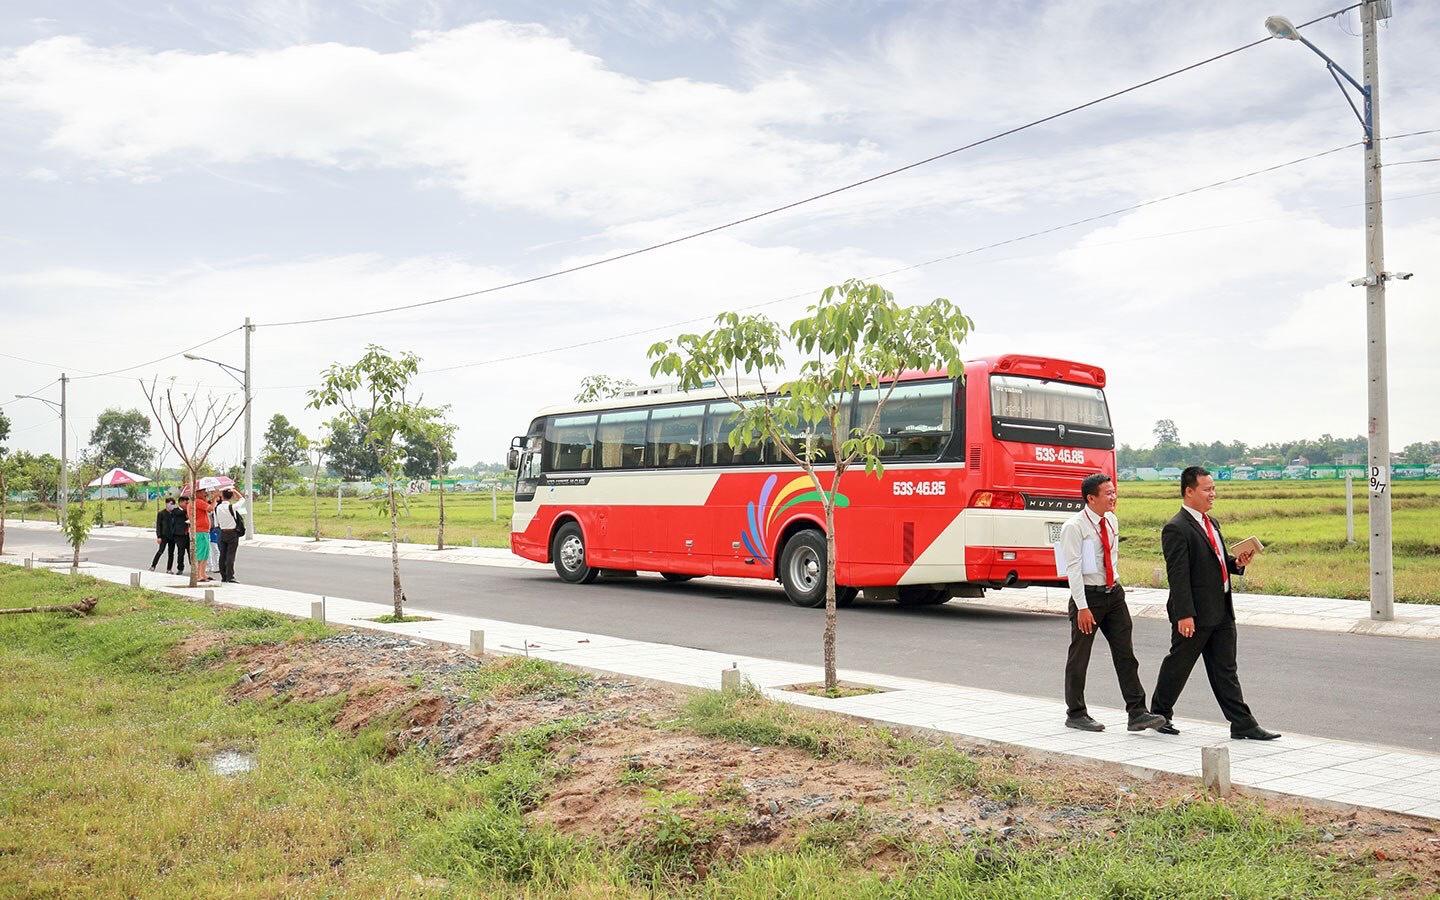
(119, 439)
(601, 387)
(350, 456)
(855, 336)
(282, 454)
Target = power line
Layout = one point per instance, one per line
(929, 262)
(801, 202)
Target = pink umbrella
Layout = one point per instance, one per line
(211, 482)
(116, 478)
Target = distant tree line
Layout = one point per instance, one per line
(1324, 450)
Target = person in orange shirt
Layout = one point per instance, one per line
(199, 511)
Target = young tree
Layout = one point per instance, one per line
(856, 335)
(372, 395)
(192, 427)
(315, 453)
(119, 439)
(5, 477)
(440, 436)
(601, 387)
(77, 525)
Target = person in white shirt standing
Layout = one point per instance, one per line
(230, 517)
(1090, 548)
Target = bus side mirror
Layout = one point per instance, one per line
(512, 460)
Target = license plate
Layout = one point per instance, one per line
(1054, 528)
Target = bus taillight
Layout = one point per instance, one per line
(997, 500)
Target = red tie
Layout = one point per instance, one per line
(1215, 545)
(1105, 548)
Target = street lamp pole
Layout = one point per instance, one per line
(64, 456)
(63, 498)
(1382, 563)
(250, 503)
(243, 378)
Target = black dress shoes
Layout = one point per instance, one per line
(1144, 720)
(1084, 723)
(1254, 733)
(1168, 728)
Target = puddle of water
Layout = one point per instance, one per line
(232, 762)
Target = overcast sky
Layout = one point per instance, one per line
(168, 169)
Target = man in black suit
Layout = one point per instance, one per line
(1201, 609)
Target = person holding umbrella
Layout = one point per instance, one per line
(199, 511)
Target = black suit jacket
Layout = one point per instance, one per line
(1196, 589)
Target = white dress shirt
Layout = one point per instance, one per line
(1081, 527)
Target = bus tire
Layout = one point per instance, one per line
(567, 550)
(675, 577)
(802, 569)
(920, 595)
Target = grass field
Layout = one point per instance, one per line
(106, 727)
(1302, 525)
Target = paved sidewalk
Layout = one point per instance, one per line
(1316, 768)
(1330, 614)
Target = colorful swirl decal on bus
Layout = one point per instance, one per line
(798, 490)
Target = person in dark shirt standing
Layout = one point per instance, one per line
(170, 537)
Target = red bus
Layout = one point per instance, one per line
(980, 473)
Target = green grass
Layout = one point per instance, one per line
(104, 791)
(392, 619)
(467, 517)
(523, 676)
(1302, 524)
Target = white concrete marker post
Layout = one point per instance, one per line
(317, 610)
(29, 562)
(730, 679)
(1215, 769)
(477, 642)
(209, 595)
(134, 579)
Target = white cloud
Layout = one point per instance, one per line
(510, 114)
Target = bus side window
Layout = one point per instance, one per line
(916, 421)
(620, 441)
(719, 421)
(569, 443)
(675, 435)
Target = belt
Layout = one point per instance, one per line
(1101, 589)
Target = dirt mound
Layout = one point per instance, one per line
(619, 771)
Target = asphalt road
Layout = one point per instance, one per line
(1372, 689)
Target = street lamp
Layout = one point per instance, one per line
(242, 376)
(1382, 563)
(64, 461)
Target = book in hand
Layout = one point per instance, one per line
(1249, 545)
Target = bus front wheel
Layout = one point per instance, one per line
(802, 569)
(568, 552)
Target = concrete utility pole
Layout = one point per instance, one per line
(250, 503)
(1382, 563)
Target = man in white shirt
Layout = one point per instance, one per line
(1090, 548)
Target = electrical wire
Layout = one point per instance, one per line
(801, 202)
(929, 262)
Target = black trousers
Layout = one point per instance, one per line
(229, 543)
(171, 548)
(1216, 645)
(1112, 619)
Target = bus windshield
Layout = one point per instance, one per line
(1031, 409)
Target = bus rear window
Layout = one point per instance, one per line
(1030, 399)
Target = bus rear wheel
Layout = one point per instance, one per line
(802, 569)
(920, 595)
(568, 552)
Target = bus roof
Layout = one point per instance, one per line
(1010, 364)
